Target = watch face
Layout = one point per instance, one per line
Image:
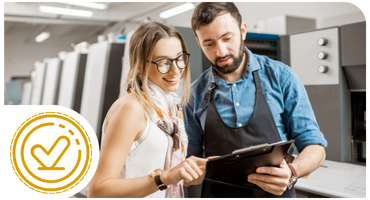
(292, 182)
(157, 172)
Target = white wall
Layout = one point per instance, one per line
(121, 28)
(18, 57)
(21, 50)
(341, 20)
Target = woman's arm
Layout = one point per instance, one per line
(125, 122)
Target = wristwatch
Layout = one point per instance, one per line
(293, 178)
(156, 174)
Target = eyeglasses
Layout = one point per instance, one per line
(165, 65)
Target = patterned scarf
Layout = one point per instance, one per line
(169, 118)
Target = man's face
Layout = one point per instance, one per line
(222, 43)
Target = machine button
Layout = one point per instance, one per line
(322, 41)
(322, 55)
(323, 69)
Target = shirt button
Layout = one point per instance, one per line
(237, 104)
(234, 85)
(240, 125)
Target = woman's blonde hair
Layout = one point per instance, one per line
(142, 44)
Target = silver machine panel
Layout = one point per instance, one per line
(38, 83)
(316, 60)
(102, 82)
(26, 94)
(353, 53)
(72, 79)
(353, 57)
(51, 85)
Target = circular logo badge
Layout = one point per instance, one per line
(51, 153)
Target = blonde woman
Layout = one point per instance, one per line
(144, 140)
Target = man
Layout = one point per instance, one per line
(246, 99)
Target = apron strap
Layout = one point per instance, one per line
(206, 97)
(258, 81)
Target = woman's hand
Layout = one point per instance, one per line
(200, 179)
(190, 170)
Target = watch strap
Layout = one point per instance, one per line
(293, 178)
(159, 183)
(289, 158)
(291, 167)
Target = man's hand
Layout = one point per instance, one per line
(272, 179)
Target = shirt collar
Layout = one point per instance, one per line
(252, 65)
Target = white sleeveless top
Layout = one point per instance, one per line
(147, 154)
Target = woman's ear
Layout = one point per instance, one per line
(138, 79)
(138, 72)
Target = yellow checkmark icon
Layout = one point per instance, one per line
(53, 166)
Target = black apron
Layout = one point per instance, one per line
(221, 139)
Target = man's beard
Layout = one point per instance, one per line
(231, 67)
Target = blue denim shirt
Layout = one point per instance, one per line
(284, 93)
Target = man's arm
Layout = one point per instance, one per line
(301, 125)
(193, 130)
(309, 159)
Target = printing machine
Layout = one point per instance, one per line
(38, 78)
(52, 80)
(72, 79)
(101, 82)
(331, 63)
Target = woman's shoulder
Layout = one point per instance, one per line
(128, 101)
(127, 107)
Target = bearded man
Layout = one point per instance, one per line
(245, 99)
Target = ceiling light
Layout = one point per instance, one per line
(65, 11)
(98, 6)
(176, 10)
(43, 36)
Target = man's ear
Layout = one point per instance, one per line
(243, 29)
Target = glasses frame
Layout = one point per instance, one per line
(172, 60)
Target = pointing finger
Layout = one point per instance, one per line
(194, 166)
(199, 161)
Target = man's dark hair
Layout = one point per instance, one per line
(206, 12)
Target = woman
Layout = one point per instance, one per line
(144, 133)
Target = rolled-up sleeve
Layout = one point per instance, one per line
(194, 131)
(298, 114)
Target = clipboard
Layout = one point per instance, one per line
(229, 172)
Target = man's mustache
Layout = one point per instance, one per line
(222, 58)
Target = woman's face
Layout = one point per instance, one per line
(166, 48)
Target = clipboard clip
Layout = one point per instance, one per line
(250, 148)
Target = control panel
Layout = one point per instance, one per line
(314, 56)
